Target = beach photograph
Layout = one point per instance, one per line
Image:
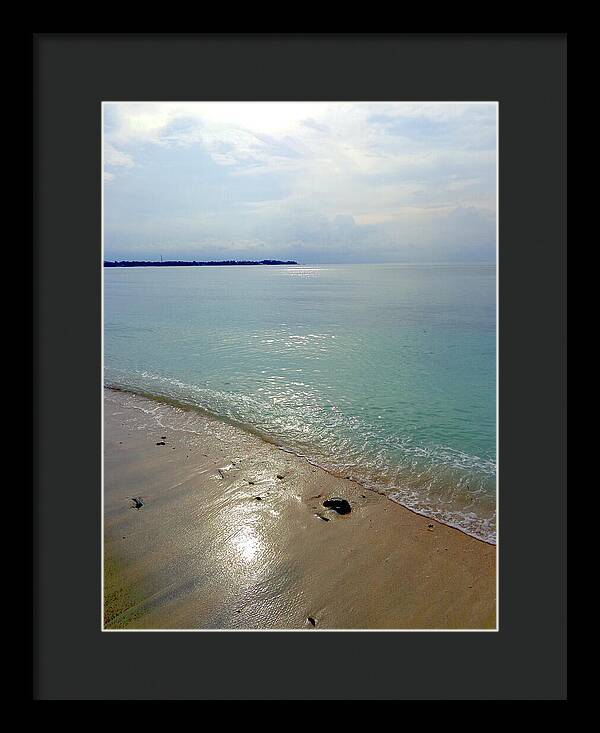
(300, 350)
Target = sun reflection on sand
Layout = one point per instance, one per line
(247, 543)
(246, 536)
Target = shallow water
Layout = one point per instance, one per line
(385, 373)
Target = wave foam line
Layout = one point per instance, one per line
(365, 484)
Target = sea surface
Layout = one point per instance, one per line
(384, 373)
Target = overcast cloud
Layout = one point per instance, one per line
(314, 182)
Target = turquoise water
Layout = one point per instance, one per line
(386, 373)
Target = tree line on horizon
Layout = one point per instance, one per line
(192, 263)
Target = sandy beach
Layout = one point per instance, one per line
(207, 526)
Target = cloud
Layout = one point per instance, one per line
(328, 180)
(115, 158)
(112, 156)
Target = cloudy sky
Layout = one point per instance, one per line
(314, 182)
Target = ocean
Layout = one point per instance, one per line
(383, 373)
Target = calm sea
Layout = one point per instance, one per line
(386, 373)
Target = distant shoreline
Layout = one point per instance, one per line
(194, 263)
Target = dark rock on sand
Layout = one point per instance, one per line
(311, 621)
(138, 502)
(325, 519)
(341, 506)
(162, 442)
(280, 476)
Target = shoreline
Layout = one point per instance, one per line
(232, 534)
(181, 405)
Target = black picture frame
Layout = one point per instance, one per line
(72, 75)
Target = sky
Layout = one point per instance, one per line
(312, 182)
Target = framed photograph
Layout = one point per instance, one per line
(297, 321)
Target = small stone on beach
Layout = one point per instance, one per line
(280, 476)
(341, 506)
(311, 621)
(162, 442)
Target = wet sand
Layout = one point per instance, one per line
(231, 533)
